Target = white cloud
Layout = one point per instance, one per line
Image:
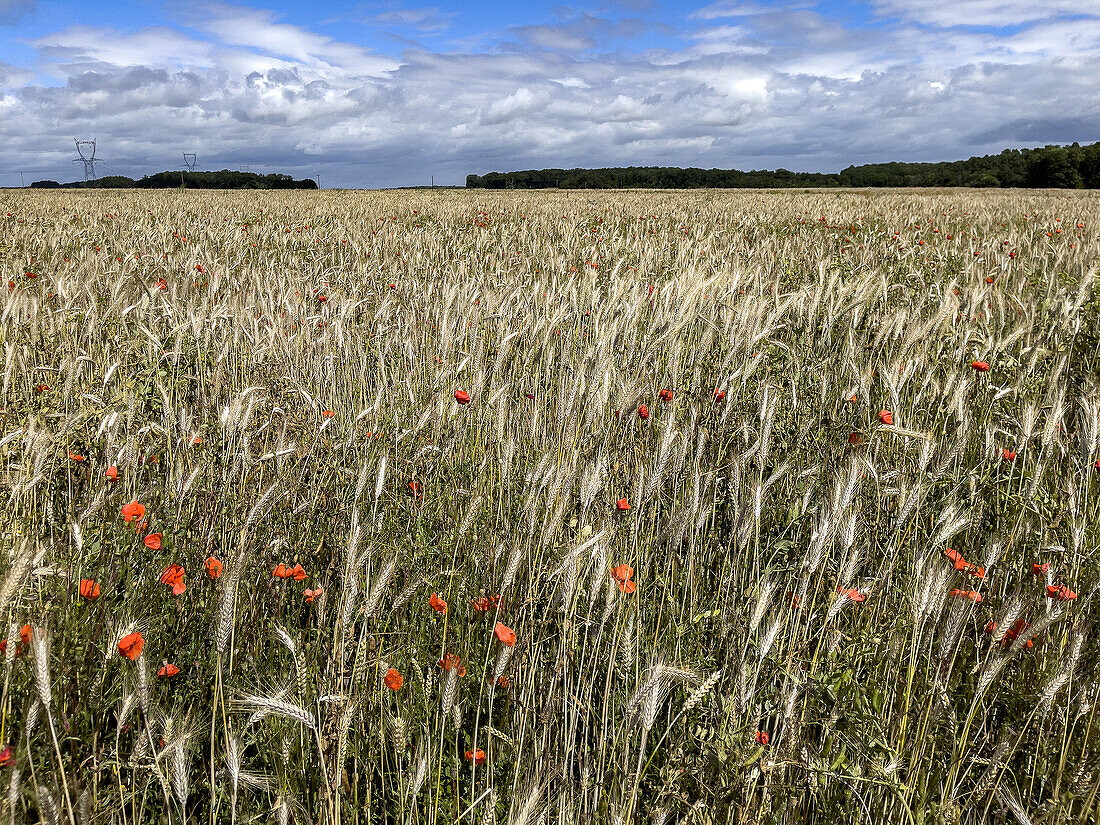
(984, 13)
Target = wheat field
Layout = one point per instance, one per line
(559, 507)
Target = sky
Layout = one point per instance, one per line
(391, 93)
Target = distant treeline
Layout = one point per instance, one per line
(225, 179)
(1052, 167)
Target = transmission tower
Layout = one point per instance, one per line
(189, 159)
(86, 150)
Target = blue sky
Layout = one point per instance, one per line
(390, 93)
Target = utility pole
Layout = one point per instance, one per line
(89, 160)
(189, 160)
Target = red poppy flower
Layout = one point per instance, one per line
(1008, 456)
(643, 412)
(477, 757)
(451, 662)
(414, 488)
(7, 758)
(954, 555)
(111, 473)
(972, 595)
(42, 388)
(173, 577)
(1013, 633)
(622, 504)
(297, 572)
(25, 633)
(1060, 592)
(280, 571)
(976, 571)
(162, 284)
(886, 417)
(195, 441)
(979, 366)
(762, 737)
(854, 399)
(665, 395)
(506, 635)
(133, 511)
(166, 671)
(1040, 569)
(214, 567)
(394, 680)
(152, 541)
(623, 575)
(462, 397)
(89, 589)
(75, 456)
(310, 595)
(852, 593)
(131, 645)
(438, 605)
(327, 414)
(719, 396)
(855, 438)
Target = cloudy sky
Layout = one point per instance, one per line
(389, 93)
